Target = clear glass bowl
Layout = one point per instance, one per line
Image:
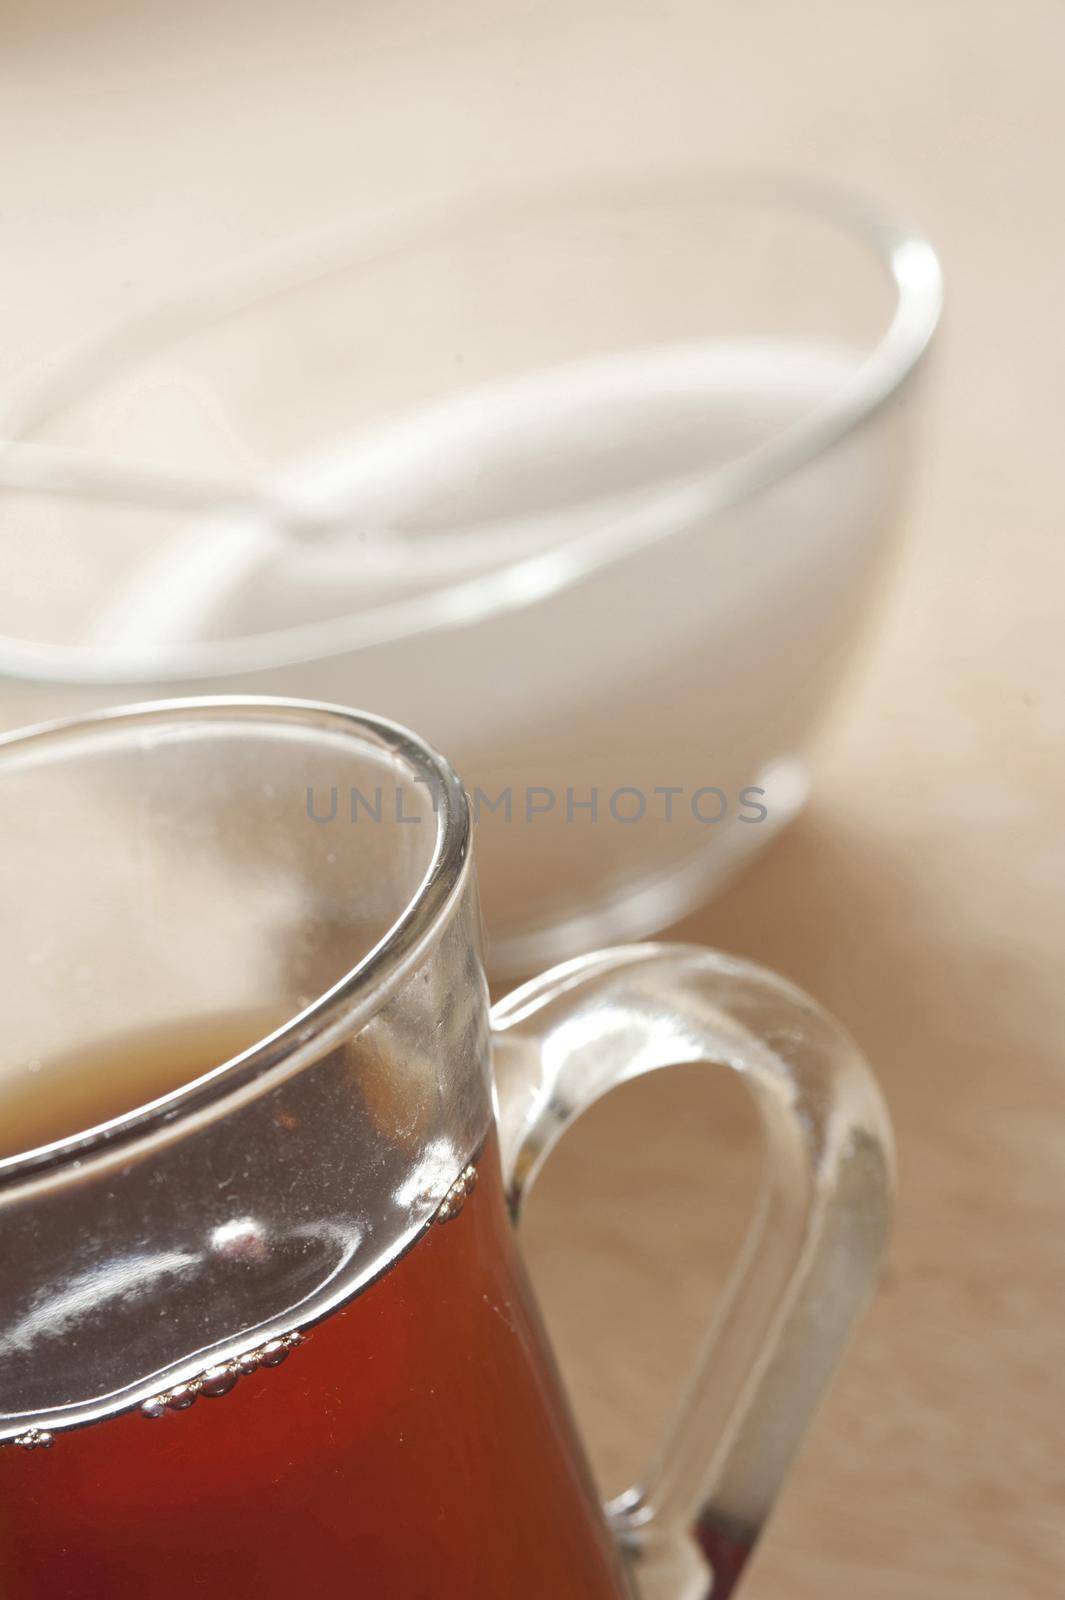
(592, 488)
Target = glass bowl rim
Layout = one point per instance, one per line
(906, 256)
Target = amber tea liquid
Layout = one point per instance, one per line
(415, 1447)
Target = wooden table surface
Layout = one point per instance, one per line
(921, 895)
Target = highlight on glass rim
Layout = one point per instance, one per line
(491, 531)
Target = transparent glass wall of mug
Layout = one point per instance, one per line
(180, 886)
(264, 1319)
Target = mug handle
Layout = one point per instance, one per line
(809, 1263)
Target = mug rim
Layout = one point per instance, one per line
(905, 255)
(355, 996)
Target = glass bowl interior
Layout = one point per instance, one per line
(295, 392)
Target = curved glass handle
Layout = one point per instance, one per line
(810, 1260)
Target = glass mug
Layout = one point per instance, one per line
(264, 1323)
